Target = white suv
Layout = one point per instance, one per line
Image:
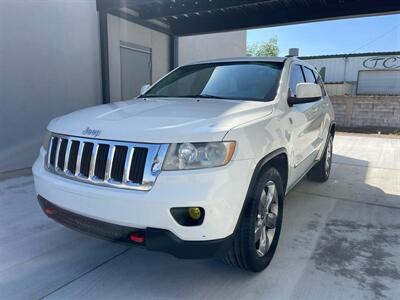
(197, 165)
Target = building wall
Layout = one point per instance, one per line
(345, 70)
(49, 66)
(363, 112)
(339, 69)
(125, 31)
(210, 46)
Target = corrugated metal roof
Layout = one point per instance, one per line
(351, 55)
(188, 17)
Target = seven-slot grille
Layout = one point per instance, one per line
(109, 163)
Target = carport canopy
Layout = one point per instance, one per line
(190, 17)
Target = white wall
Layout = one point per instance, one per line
(339, 69)
(210, 46)
(122, 30)
(49, 66)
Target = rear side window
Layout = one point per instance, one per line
(296, 77)
(309, 74)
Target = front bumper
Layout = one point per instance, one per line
(220, 191)
(154, 239)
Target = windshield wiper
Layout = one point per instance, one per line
(184, 96)
(202, 96)
(154, 96)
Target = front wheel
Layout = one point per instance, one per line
(258, 233)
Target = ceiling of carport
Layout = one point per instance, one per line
(184, 17)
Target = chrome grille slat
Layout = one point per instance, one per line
(49, 150)
(147, 168)
(67, 156)
(78, 161)
(93, 160)
(110, 158)
(127, 167)
(57, 155)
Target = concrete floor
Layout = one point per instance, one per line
(340, 240)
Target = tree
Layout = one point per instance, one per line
(269, 48)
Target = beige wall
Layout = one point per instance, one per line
(122, 30)
(210, 46)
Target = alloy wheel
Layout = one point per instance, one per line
(267, 214)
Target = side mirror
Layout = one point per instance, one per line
(306, 92)
(144, 89)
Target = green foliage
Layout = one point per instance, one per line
(269, 48)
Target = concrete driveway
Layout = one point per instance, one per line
(340, 239)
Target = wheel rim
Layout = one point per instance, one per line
(328, 160)
(266, 217)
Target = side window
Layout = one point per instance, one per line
(309, 74)
(296, 77)
(320, 83)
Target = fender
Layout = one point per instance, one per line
(261, 164)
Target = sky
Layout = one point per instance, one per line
(358, 35)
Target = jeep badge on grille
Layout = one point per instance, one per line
(91, 132)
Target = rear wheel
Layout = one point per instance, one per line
(257, 236)
(321, 171)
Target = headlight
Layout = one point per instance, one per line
(198, 155)
(46, 139)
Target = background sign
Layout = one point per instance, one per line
(382, 62)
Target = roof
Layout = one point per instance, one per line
(189, 17)
(352, 55)
(242, 59)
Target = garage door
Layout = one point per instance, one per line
(384, 82)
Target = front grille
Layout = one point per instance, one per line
(107, 163)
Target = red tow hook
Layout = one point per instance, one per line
(50, 211)
(137, 237)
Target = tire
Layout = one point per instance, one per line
(321, 171)
(247, 251)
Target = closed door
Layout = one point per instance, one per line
(305, 125)
(379, 82)
(303, 117)
(135, 71)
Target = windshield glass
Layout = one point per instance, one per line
(238, 81)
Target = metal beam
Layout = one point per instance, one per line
(181, 7)
(106, 5)
(173, 52)
(104, 57)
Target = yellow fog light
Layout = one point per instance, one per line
(188, 216)
(194, 213)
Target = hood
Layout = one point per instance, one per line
(158, 120)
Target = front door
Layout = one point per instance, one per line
(305, 127)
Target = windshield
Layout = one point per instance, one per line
(238, 81)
